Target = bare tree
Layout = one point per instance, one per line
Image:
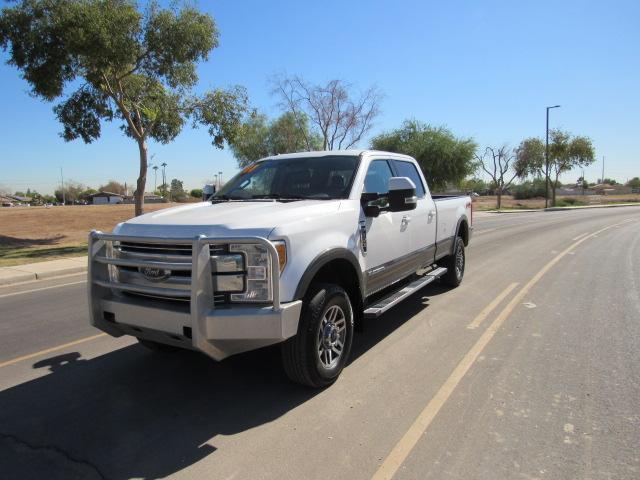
(498, 162)
(340, 119)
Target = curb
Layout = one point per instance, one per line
(42, 270)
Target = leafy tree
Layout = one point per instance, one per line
(474, 185)
(129, 66)
(499, 163)
(196, 193)
(177, 190)
(567, 152)
(530, 189)
(19, 194)
(72, 192)
(113, 186)
(258, 137)
(340, 116)
(634, 182)
(610, 181)
(86, 194)
(530, 158)
(443, 157)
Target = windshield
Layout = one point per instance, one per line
(319, 178)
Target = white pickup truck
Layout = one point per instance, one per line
(293, 250)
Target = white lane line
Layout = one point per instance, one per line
(580, 236)
(41, 289)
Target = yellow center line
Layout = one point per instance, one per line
(49, 350)
(489, 308)
(405, 445)
(580, 236)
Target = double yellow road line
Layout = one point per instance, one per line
(405, 445)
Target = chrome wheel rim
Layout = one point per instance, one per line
(459, 260)
(331, 336)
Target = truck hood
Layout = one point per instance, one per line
(226, 219)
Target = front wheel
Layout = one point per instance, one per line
(455, 264)
(316, 355)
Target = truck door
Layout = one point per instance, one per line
(387, 236)
(421, 221)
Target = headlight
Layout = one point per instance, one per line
(258, 283)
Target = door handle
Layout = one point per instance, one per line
(405, 220)
(431, 215)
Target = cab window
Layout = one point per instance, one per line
(408, 169)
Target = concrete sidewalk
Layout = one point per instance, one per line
(42, 270)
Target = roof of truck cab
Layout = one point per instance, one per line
(332, 153)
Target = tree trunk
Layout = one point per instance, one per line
(499, 198)
(142, 178)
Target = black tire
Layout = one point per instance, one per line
(157, 347)
(306, 357)
(455, 264)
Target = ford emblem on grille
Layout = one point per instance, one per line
(154, 274)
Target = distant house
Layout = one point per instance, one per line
(106, 198)
(6, 201)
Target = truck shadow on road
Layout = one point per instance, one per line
(133, 413)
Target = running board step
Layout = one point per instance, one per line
(396, 297)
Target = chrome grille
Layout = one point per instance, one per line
(176, 257)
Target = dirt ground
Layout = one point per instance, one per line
(29, 234)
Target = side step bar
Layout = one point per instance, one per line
(396, 297)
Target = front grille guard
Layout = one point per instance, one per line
(201, 295)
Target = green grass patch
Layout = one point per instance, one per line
(12, 256)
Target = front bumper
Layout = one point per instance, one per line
(196, 324)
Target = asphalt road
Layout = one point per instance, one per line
(530, 369)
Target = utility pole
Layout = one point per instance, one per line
(602, 181)
(546, 160)
(64, 200)
(219, 180)
(215, 181)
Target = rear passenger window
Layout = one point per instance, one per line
(408, 169)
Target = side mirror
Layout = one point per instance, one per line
(402, 194)
(372, 211)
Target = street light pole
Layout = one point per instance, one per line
(546, 160)
(219, 180)
(164, 179)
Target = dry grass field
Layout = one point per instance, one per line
(31, 234)
(508, 202)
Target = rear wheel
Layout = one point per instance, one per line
(455, 264)
(316, 355)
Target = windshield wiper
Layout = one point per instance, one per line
(226, 198)
(277, 196)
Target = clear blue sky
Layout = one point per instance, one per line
(484, 69)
